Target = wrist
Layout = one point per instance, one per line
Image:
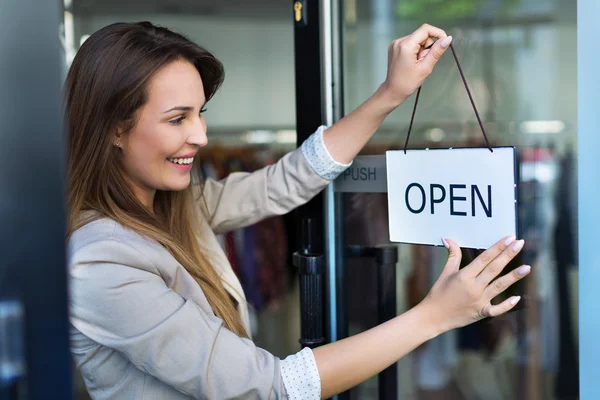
(433, 323)
(390, 98)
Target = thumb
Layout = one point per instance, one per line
(454, 256)
(437, 51)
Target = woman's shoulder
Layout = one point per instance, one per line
(93, 228)
(103, 238)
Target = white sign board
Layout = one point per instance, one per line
(466, 195)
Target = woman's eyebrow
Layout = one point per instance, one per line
(179, 108)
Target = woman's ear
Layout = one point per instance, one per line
(117, 140)
(118, 136)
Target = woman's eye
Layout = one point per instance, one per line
(177, 121)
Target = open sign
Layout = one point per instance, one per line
(467, 195)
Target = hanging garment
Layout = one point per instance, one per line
(271, 256)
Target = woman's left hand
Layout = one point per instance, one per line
(410, 62)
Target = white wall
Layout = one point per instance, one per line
(259, 65)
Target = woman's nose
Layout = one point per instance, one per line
(197, 134)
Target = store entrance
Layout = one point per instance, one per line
(516, 56)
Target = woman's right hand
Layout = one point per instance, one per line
(463, 296)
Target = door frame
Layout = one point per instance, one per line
(32, 197)
(588, 172)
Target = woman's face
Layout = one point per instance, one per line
(157, 154)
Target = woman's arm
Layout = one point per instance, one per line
(458, 298)
(243, 199)
(408, 67)
(351, 361)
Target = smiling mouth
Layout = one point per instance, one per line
(181, 161)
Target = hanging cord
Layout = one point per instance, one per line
(462, 75)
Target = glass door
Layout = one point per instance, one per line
(519, 58)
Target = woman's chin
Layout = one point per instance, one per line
(179, 184)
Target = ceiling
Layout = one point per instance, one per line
(228, 8)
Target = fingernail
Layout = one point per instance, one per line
(524, 270)
(446, 245)
(446, 41)
(518, 245)
(515, 300)
(509, 240)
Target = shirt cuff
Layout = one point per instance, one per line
(319, 158)
(301, 376)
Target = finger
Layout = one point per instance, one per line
(499, 309)
(437, 51)
(454, 257)
(503, 283)
(425, 32)
(425, 47)
(423, 54)
(482, 261)
(494, 268)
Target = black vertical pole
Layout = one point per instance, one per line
(311, 267)
(386, 259)
(309, 98)
(309, 116)
(307, 62)
(32, 194)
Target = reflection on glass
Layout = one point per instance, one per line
(519, 58)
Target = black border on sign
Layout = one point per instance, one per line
(516, 177)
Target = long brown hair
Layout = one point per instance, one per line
(106, 86)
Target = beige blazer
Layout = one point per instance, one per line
(142, 327)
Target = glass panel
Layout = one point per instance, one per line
(251, 123)
(519, 58)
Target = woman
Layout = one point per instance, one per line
(157, 312)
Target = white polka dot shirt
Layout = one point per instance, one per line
(319, 158)
(301, 376)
